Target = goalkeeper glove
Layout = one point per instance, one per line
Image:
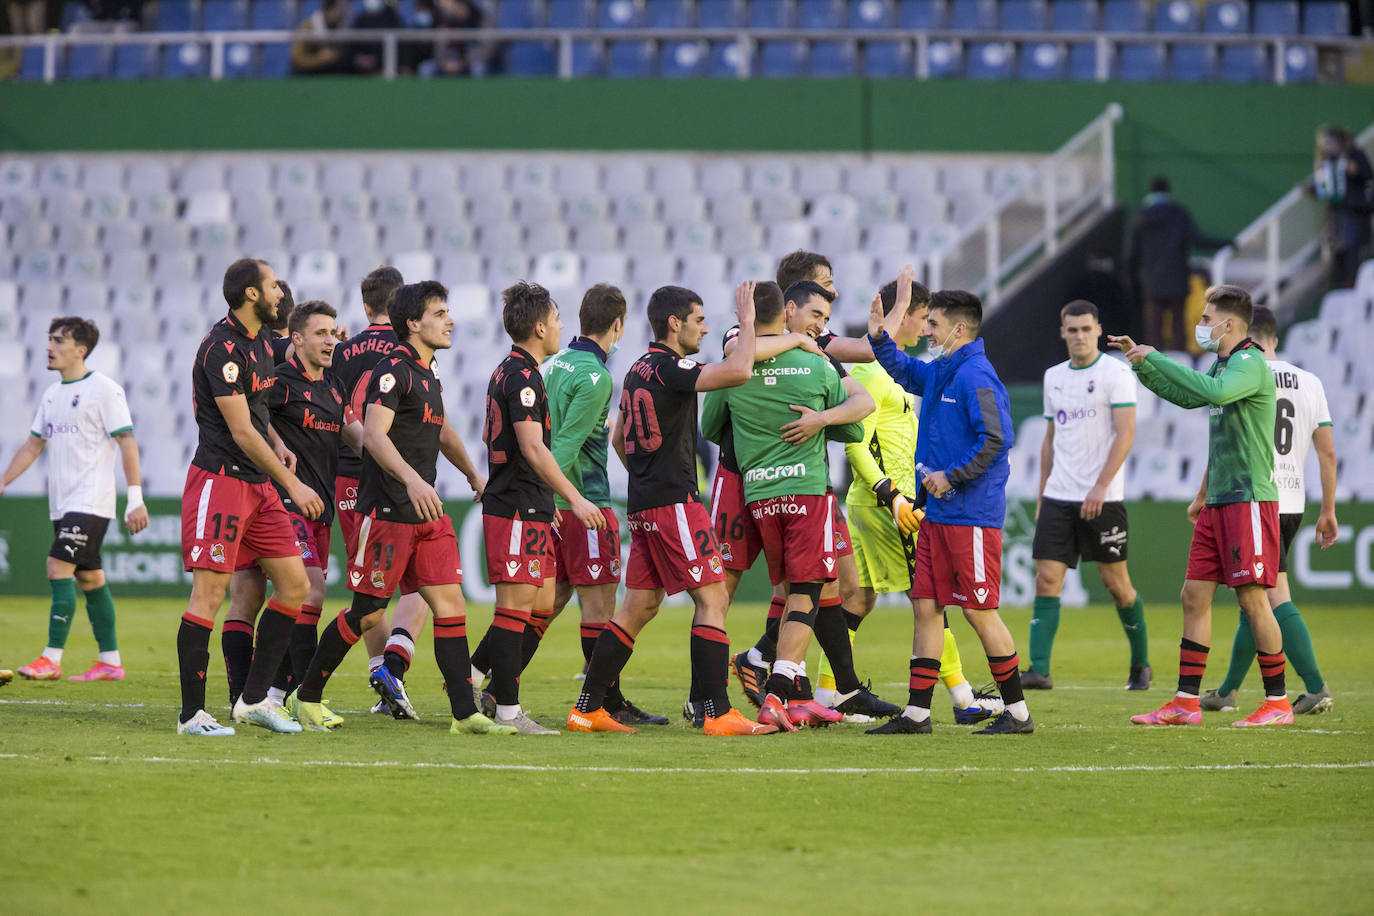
(903, 512)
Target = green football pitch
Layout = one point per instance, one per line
(108, 810)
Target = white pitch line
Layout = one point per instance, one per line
(743, 771)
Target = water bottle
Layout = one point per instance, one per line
(925, 472)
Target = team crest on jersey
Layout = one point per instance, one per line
(715, 565)
(386, 382)
(378, 579)
(534, 568)
(230, 372)
(217, 552)
(75, 400)
(527, 396)
(1091, 385)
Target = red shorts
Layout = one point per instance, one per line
(586, 556)
(225, 520)
(345, 499)
(798, 537)
(1236, 544)
(844, 544)
(518, 551)
(312, 540)
(735, 529)
(959, 565)
(673, 548)
(411, 556)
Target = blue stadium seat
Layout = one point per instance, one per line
(571, 14)
(1042, 61)
(185, 61)
(31, 64)
(531, 58)
(520, 14)
(1073, 16)
(991, 60)
(74, 11)
(1226, 17)
(920, 14)
(1083, 61)
(1025, 15)
(176, 16)
(276, 60)
(307, 8)
(667, 14)
(719, 14)
(271, 14)
(1245, 64)
(224, 15)
(870, 15)
(407, 10)
(135, 62)
(888, 59)
(833, 59)
(240, 60)
(820, 15)
(973, 15)
(1325, 18)
(723, 59)
(631, 59)
(1193, 63)
(1176, 16)
(769, 14)
(781, 58)
(682, 59)
(619, 14)
(946, 59)
(1141, 63)
(587, 58)
(1275, 17)
(1125, 16)
(89, 62)
(1300, 63)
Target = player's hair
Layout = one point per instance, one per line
(959, 305)
(800, 265)
(83, 333)
(524, 305)
(601, 306)
(284, 307)
(300, 316)
(669, 302)
(803, 290)
(407, 303)
(1079, 307)
(920, 296)
(768, 302)
(242, 275)
(377, 288)
(1233, 300)
(1159, 185)
(1263, 323)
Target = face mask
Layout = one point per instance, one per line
(1203, 335)
(424, 20)
(938, 350)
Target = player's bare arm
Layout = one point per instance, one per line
(765, 348)
(352, 434)
(1326, 463)
(893, 320)
(736, 368)
(850, 349)
(423, 497)
(857, 405)
(1135, 352)
(530, 435)
(26, 455)
(1046, 465)
(1123, 430)
(135, 513)
(457, 454)
(234, 409)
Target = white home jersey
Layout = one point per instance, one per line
(1300, 409)
(79, 419)
(1079, 403)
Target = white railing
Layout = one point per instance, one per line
(919, 44)
(1280, 243)
(1030, 218)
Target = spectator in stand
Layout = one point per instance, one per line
(451, 58)
(113, 15)
(28, 17)
(320, 58)
(1342, 178)
(367, 57)
(1162, 236)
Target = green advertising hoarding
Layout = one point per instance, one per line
(149, 564)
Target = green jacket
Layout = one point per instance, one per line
(579, 389)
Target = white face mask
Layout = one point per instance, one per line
(938, 350)
(1203, 335)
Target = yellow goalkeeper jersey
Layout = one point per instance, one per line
(888, 448)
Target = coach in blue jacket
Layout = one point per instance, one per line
(963, 439)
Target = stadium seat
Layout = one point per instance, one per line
(519, 14)
(89, 62)
(945, 59)
(973, 15)
(1042, 61)
(531, 58)
(176, 16)
(571, 14)
(1127, 16)
(1226, 17)
(667, 14)
(1192, 63)
(887, 59)
(820, 15)
(631, 59)
(240, 60)
(920, 15)
(771, 176)
(769, 14)
(817, 178)
(683, 59)
(830, 59)
(1073, 16)
(1275, 17)
(1025, 15)
(719, 14)
(1245, 64)
(135, 62)
(1325, 17)
(224, 15)
(990, 60)
(1083, 61)
(1300, 63)
(620, 14)
(31, 65)
(725, 59)
(1176, 16)
(870, 15)
(1141, 63)
(185, 61)
(588, 58)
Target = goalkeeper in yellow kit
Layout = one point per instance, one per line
(882, 520)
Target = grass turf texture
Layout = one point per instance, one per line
(110, 811)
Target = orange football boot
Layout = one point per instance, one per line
(598, 720)
(733, 723)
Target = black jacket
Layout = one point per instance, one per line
(1162, 235)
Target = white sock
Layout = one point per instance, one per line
(507, 712)
(801, 668)
(53, 655)
(962, 695)
(1276, 699)
(1018, 710)
(375, 662)
(1186, 696)
(276, 696)
(756, 658)
(110, 658)
(828, 697)
(916, 713)
(788, 669)
(478, 676)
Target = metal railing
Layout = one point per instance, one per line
(920, 44)
(1282, 241)
(1028, 219)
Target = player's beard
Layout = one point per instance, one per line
(265, 313)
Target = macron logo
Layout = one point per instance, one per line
(777, 472)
